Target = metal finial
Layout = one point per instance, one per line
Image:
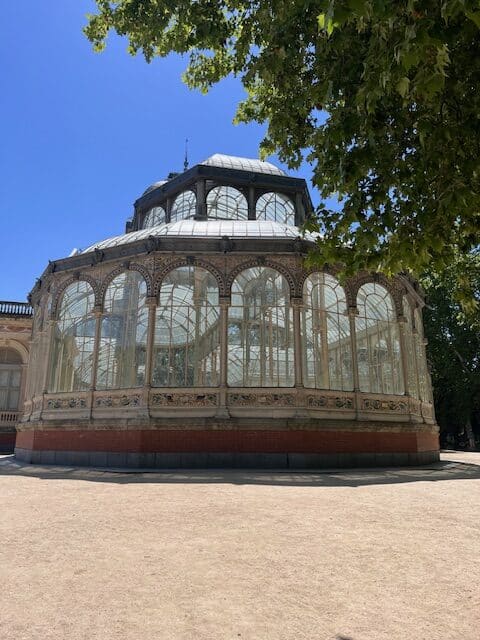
(185, 162)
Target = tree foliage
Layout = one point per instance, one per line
(454, 346)
(381, 96)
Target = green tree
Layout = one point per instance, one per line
(381, 96)
(454, 348)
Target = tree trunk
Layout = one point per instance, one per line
(470, 437)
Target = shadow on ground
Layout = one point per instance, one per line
(436, 472)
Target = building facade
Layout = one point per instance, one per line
(198, 338)
(15, 331)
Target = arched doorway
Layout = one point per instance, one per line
(10, 384)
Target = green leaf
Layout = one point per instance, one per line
(474, 16)
(403, 86)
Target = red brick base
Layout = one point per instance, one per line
(7, 442)
(240, 441)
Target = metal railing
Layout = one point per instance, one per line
(18, 309)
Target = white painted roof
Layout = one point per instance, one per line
(207, 229)
(243, 164)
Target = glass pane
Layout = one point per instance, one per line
(187, 340)
(227, 203)
(73, 340)
(185, 206)
(275, 207)
(410, 350)
(260, 334)
(421, 356)
(378, 342)
(327, 355)
(154, 217)
(123, 337)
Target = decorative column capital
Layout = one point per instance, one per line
(151, 301)
(224, 301)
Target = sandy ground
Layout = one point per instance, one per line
(360, 555)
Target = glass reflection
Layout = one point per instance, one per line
(186, 349)
(275, 207)
(260, 332)
(410, 349)
(421, 357)
(327, 350)
(227, 203)
(123, 337)
(154, 217)
(184, 206)
(378, 344)
(73, 340)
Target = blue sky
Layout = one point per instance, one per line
(83, 134)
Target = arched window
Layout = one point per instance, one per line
(186, 351)
(184, 206)
(10, 379)
(260, 333)
(123, 338)
(421, 357)
(378, 344)
(276, 207)
(410, 349)
(227, 203)
(73, 340)
(154, 217)
(327, 349)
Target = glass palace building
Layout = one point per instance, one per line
(198, 339)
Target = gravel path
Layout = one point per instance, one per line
(357, 555)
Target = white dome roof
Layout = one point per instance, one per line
(242, 164)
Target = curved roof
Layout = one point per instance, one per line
(207, 229)
(243, 164)
(154, 186)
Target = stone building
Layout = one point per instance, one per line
(15, 331)
(198, 338)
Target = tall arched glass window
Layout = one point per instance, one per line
(378, 344)
(10, 379)
(184, 206)
(227, 203)
(327, 349)
(123, 337)
(186, 350)
(276, 207)
(421, 357)
(260, 332)
(154, 217)
(73, 340)
(410, 349)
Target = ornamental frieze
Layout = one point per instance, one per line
(264, 399)
(184, 399)
(66, 403)
(118, 401)
(329, 402)
(397, 406)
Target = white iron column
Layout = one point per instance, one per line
(352, 313)
(151, 303)
(97, 312)
(224, 303)
(401, 320)
(297, 304)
